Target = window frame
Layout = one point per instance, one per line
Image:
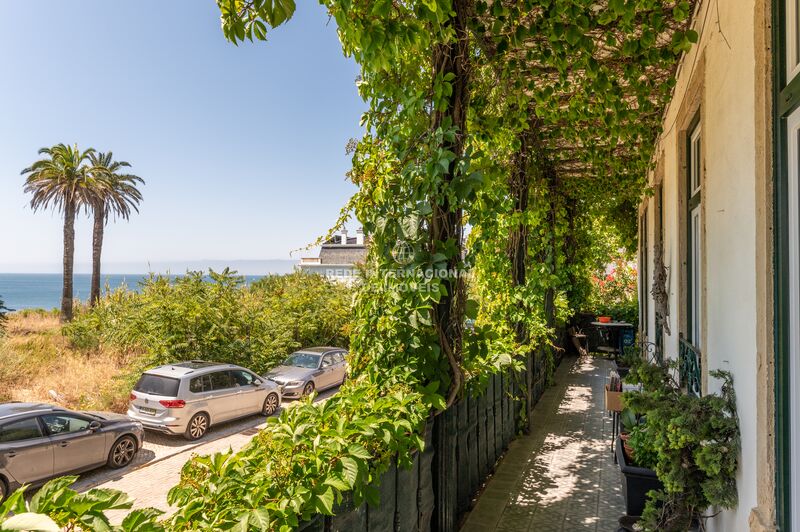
(694, 232)
(785, 100)
(644, 301)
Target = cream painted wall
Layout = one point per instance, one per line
(727, 106)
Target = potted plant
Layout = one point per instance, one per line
(630, 358)
(636, 461)
(629, 422)
(637, 482)
(693, 446)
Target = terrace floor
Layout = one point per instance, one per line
(561, 477)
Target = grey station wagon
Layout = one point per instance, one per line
(314, 368)
(187, 398)
(39, 442)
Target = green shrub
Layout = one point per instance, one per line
(303, 462)
(218, 318)
(57, 507)
(693, 443)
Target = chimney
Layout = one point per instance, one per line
(360, 236)
(344, 236)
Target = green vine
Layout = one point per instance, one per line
(497, 136)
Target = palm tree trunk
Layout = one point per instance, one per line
(97, 248)
(69, 260)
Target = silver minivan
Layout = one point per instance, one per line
(187, 398)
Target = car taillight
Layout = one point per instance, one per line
(132, 397)
(173, 403)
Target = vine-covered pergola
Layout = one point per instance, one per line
(500, 135)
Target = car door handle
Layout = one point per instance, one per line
(64, 444)
(11, 454)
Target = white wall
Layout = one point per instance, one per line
(728, 126)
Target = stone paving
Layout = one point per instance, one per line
(562, 476)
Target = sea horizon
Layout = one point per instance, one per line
(22, 290)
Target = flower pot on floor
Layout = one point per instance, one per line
(636, 482)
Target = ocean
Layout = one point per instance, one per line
(43, 290)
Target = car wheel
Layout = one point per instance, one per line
(270, 404)
(197, 428)
(122, 452)
(308, 389)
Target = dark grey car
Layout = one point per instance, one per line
(40, 441)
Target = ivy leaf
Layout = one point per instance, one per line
(142, 520)
(349, 469)
(30, 521)
(259, 518)
(471, 309)
(324, 501)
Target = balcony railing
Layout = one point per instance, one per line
(689, 367)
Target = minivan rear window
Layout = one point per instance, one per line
(157, 385)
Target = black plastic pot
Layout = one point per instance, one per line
(623, 371)
(636, 482)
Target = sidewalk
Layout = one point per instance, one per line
(149, 485)
(562, 476)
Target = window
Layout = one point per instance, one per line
(793, 193)
(65, 423)
(643, 277)
(25, 429)
(221, 380)
(694, 261)
(792, 38)
(157, 385)
(302, 360)
(338, 357)
(786, 77)
(242, 378)
(327, 360)
(200, 384)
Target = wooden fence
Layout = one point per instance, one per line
(462, 447)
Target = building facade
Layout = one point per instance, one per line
(719, 240)
(340, 258)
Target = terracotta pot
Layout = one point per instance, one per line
(627, 446)
(604, 319)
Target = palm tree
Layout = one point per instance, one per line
(113, 193)
(3, 317)
(60, 180)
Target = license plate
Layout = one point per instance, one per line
(148, 411)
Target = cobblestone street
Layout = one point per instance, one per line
(562, 476)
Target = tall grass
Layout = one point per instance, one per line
(36, 358)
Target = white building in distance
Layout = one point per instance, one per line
(339, 258)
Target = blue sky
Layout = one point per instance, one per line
(242, 148)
